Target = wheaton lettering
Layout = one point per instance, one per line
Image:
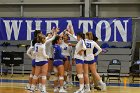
(106, 29)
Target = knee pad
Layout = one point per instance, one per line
(61, 78)
(35, 77)
(43, 77)
(80, 76)
(66, 73)
(55, 70)
(31, 76)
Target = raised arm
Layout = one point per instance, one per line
(72, 35)
(51, 39)
(83, 45)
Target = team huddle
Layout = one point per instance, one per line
(55, 52)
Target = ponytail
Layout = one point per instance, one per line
(89, 35)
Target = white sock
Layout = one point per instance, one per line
(81, 86)
(65, 82)
(32, 87)
(87, 86)
(43, 87)
(101, 82)
(39, 85)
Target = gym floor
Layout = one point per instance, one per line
(17, 83)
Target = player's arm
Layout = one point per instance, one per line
(98, 48)
(72, 35)
(73, 45)
(29, 52)
(51, 39)
(83, 47)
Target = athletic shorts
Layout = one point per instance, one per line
(95, 58)
(92, 61)
(78, 61)
(33, 63)
(57, 63)
(89, 62)
(41, 63)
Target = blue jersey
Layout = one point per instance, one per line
(58, 53)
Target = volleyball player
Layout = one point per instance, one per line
(30, 54)
(41, 62)
(90, 62)
(58, 65)
(66, 51)
(79, 59)
(49, 49)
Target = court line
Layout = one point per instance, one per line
(75, 83)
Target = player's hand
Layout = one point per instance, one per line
(57, 30)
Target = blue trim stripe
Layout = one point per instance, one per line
(121, 84)
(14, 81)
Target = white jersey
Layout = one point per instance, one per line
(79, 46)
(66, 49)
(30, 52)
(90, 45)
(40, 52)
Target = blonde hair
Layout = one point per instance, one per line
(89, 35)
(40, 38)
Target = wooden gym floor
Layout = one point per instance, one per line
(17, 84)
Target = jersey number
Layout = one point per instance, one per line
(88, 45)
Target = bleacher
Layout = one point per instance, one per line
(121, 51)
